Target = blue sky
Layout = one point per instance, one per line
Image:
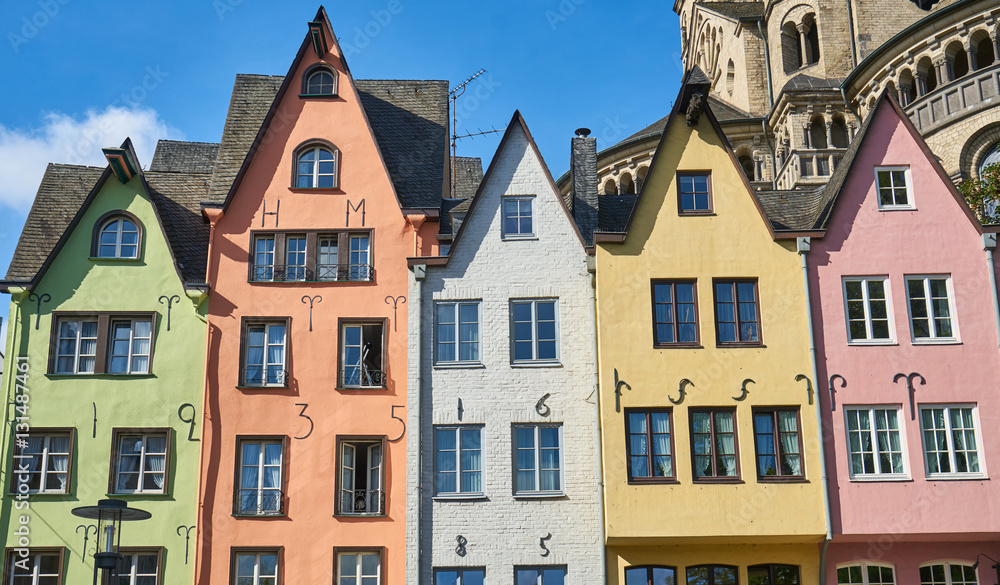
(78, 76)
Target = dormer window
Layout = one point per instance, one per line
(319, 80)
(116, 236)
(316, 167)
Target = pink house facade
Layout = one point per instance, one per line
(907, 339)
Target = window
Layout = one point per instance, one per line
(139, 568)
(545, 575)
(40, 567)
(773, 575)
(778, 444)
(264, 355)
(44, 460)
(319, 81)
(713, 437)
(102, 343)
(361, 355)
(256, 568)
(534, 330)
(694, 193)
(140, 461)
(737, 320)
(457, 332)
(458, 461)
(476, 576)
(712, 575)
(865, 574)
(948, 574)
(118, 237)
(893, 188)
(867, 302)
(537, 459)
(359, 568)
(675, 313)
(260, 476)
(931, 309)
(360, 478)
(950, 440)
(316, 168)
(518, 217)
(874, 442)
(650, 575)
(311, 257)
(649, 445)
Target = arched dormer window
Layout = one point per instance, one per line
(116, 235)
(319, 80)
(316, 166)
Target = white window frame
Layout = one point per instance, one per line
(359, 267)
(256, 566)
(864, 571)
(869, 411)
(315, 175)
(365, 378)
(503, 217)
(141, 471)
(869, 340)
(265, 365)
(132, 577)
(457, 331)
(534, 359)
(457, 430)
(132, 353)
(316, 72)
(36, 557)
(358, 575)
(263, 271)
(373, 468)
(300, 270)
(910, 204)
(947, 571)
(537, 448)
(261, 466)
(43, 464)
(119, 232)
(951, 441)
(952, 317)
(77, 342)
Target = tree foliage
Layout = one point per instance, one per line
(983, 194)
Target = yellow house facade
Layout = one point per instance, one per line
(711, 458)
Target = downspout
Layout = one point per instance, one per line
(850, 30)
(803, 245)
(419, 273)
(592, 268)
(989, 244)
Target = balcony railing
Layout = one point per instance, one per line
(362, 377)
(321, 273)
(363, 503)
(259, 502)
(977, 90)
(815, 166)
(265, 377)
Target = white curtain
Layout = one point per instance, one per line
(726, 444)
(788, 429)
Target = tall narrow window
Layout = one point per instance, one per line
(261, 464)
(737, 319)
(139, 568)
(316, 168)
(537, 459)
(46, 454)
(361, 478)
(77, 346)
(457, 332)
(778, 442)
(867, 308)
(458, 461)
(295, 258)
(140, 465)
(360, 264)
(950, 440)
(675, 314)
(119, 238)
(327, 262)
(263, 259)
(130, 346)
(256, 568)
(649, 446)
(930, 308)
(264, 358)
(713, 437)
(518, 217)
(361, 355)
(893, 188)
(534, 330)
(875, 442)
(694, 193)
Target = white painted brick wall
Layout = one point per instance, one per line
(503, 532)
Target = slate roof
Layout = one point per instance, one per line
(60, 194)
(468, 175)
(408, 117)
(188, 157)
(737, 10)
(178, 198)
(791, 210)
(613, 211)
(803, 82)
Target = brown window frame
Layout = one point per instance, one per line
(312, 253)
(771, 568)
(95, 238)
(245, 323)
(116, 435)
(8, 557)
(344, 322)
(715, 478)
(238, 472)
(12, 476)
(711, 574)
(711, 199)
(158, 550)
(649, 571)
(673, 282)
(733, 282)
(382, 560)
(649, 451)
(104, 322)
(338, 462)
(235, 551)
(776, 437)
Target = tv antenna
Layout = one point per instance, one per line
(453, 95)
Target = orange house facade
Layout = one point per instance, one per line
(317, 203)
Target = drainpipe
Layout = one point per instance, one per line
(850, 30)
(803, 245)
(419, 273)
(592, 268)
(990, 244)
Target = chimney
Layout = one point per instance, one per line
(583, 174)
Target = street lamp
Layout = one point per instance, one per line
(996, 565)
(109, 515)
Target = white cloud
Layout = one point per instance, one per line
(65, 139)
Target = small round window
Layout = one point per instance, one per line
(119, 238)
(320, 83)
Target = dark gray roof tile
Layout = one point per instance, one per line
(738, 10)
(793, 210)
(184, 157)
(468, 175)
(614, 211)
(178, 198)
